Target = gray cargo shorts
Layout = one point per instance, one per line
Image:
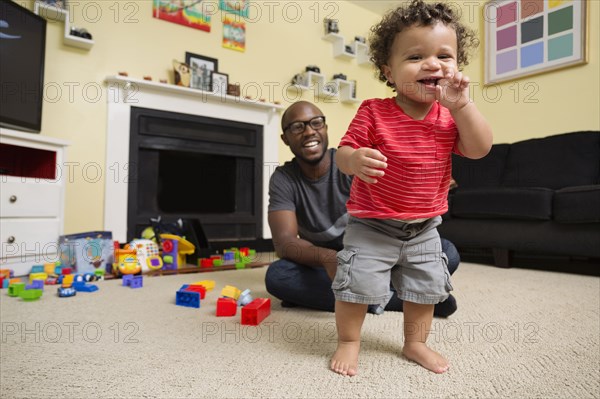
(377, 252)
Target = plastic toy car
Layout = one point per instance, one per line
(66, 292)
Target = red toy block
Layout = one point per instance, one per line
(244, 251)
(226, 307)
(197, 288)
(204, 262)
(66, 270)
(256, 311)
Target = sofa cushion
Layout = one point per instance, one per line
(484, 172)
(503, 203)
(577, 204)
(564, 160)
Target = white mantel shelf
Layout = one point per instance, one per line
(139, 84)
(124, 92)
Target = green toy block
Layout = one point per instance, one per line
(247, 259)
(240, 265)
(15, 289)
(218, 262)
(99, 272)
(252, 252)
(30, 295)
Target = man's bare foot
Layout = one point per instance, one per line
(426, 357)
(345, 358)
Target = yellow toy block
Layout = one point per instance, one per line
(50, 269)
(5, 273)
(14, 280)
(37, 276)
(208, 284)
(230, 291)
(68, 280)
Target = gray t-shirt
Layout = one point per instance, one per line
(320, 205)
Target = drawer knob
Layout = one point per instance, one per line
(10, 239)
(13, 199)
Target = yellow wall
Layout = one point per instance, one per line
(281, 40)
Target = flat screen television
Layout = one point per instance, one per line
(22, 56)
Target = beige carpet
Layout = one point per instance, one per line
(518, 333)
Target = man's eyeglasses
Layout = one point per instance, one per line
(298, 127)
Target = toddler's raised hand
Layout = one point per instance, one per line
(367, 164)
(453, 90)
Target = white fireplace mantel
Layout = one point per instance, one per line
(124, 93)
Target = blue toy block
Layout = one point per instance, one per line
(137, 282)
(229, 256)
(58, 270)
(35, 285)
(5, 283)
(37, 269)
(82, 286)
(127, 279)
(189, 299)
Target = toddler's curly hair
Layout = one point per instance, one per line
(417, 13)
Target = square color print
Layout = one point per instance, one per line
(527, 37)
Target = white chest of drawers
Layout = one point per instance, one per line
(32, 198)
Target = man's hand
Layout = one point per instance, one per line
(453, 91)
(367, 164)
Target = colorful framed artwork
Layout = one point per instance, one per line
(237, 7)
(183, 12)
(201, 68)
(219, 83)
(528, 37)
(234, 34)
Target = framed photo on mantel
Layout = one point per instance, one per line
(201, 68)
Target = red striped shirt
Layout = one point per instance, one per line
(419, 161)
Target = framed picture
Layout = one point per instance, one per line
(528, 37)
(237, 7)
(219, 83)
(201, 68)
(60, 4)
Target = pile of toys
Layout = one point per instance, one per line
(239, 257)
(49, 274)
(254, 311)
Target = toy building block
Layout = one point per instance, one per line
(37, 276)
(14, 280)
(208, 284)
(240, 265)
(6, 273)
(206, 262)
(228, 257)
(256, 311)
(127, 279)
(189, 299)
(230, 291)
(31, 295)
(99, 274)
(15, 289)
(49, 269)
(137, 282)
(197, 288)
(35, 285)
(66, 270)
(245, 298)
(67, 280)
(226, 307)
(2, 282)
(37, 269)
(83, 287)
(218, 262)
(66, 292)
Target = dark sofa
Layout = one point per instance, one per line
(538, 196)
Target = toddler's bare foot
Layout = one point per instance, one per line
(345, 358)
(426, 357)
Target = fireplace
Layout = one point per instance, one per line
(178, 152)
(195, 167)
